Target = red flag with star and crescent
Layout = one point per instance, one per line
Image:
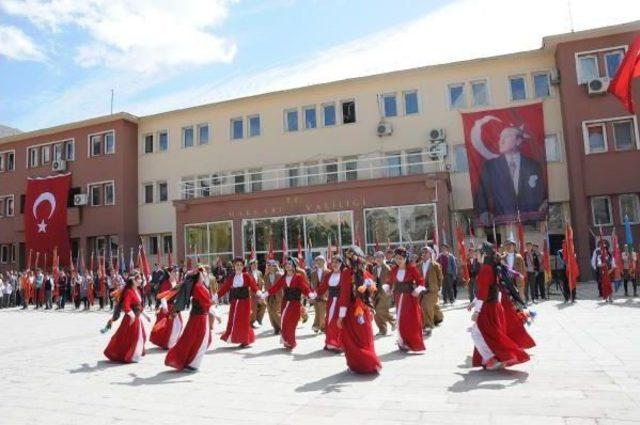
(45, 215)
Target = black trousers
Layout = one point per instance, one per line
(472, 288)
(634, 283)
(567, 293)
(541, 287)
(599, 281)
(62, 300)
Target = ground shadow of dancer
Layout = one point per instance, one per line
(166, 377)
(482, 379)
(100, 365)
(334, 383)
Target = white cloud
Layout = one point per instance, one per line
(147, 36)
(16, 45)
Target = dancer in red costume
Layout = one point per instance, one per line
(355, 315)
(407, 284)
(127, 344)
(295, 286)
(332, 283)
(196, 338)
(238, 285)
(167, 329)
(493, 347)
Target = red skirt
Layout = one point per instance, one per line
(127, 344)
(191, 345)
(166, 331)
(239, 330)
(333, 334)
(492, 326)
(515, 327)
(357, 340)
(409, 322)
(607, 289)
(289, 322)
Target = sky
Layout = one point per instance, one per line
(60, 59)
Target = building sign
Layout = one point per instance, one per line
(296, 205)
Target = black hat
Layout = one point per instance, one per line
(488, 248)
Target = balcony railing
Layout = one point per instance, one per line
(305, 174)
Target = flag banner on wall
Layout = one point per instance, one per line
(45, 216)
(507, 163)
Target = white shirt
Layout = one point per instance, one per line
(238, 281)
(425, 267)
(288, 280)
(400, 275)
(320, 272)
(511, 259)
(513, 159)
(334, 279)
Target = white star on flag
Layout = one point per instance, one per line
(42, 227)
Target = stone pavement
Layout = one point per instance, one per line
(585, 370)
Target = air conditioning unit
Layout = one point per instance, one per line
(59, 165)
(437, 134)
(598, 86)
(384, 129)
(438, 151)
(80, 199)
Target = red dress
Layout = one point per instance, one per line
(166, 331)
(294, 287)
(127, 344)
(196, 338)
(489, 333)
(357, 332)
(333, 338)
(239, 330)
(515, 327)
(408, 311)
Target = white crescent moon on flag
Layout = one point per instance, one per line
(476, 136)
(45, 197)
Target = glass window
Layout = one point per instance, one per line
(57, 152)
(204, 185)
(237, 130)
(350, 168)
(94, 192)
(153, 245)
(238, 182)
(601, 207)
(310, 117)
(411, 103)
(556, 218)
(109, 194)
(479, 93)
(254, 125)
(291, 120)
(188, 188)
(203, 134)
(348, 111)
(461, 164)
(408, 225)
(167, 243)
(187, 137)
(312, 171)
(588, 68)
(163, 192)
(624, 135)
(331, 171)
(295, 230)
(542, 84)
(612, 62)
(323, 229)
(268, 231)
(552, 147)
(389, 105)
(256, 180)
(147, 194)
(629, 207)
(394, 165)
(518, 88)
(292, 175)
(46, 154)
(456, 96)
(148, 143)
(70, 148)
(596, 138)
(109, 142)
(96, 145)
(220, 238)
(329, 114)
(196, 239)
(415, 221)
(11, 163)
(414, 162)
(163, 140)
(9, 206)
(33, 157)
(382, 225)
(2, 161)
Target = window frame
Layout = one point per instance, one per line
(606, 122)
(585, 135)
(558, 148)
(450, 105)
(304, 116)
(232, 121)
(324, 114)
(383, 105)
(610, 212)
(589, 55)
(144, 144)
(637, 207)
(92, 142)
(615, 139)
(70, 142)
(286, 120)
(404, 102)
(46, 154)
(611, 52)
(249, 132)
(104, 138)
(200, 127)
(36, 151)
(113, 192)
(547, 74)
(355, 111)
(487, 92)
(183, 133)
(510, 78)
(90, 188)
(158, 184)
(145, 201)
(158, 134)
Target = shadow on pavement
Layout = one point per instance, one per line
(166, 377)
(318, 354)
(334, 383)
(100, 365)
(466, 364)
(484, 380)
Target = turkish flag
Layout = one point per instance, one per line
(45, 216)
(629, 69)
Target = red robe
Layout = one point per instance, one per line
(196, 338)
(408, 311)
(490, 330)
(515, 327)
(333, 338)
(239, 330)
(166, 331)
(127, 344)
(290, 308)
(357, 338)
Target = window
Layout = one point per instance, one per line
(163, 140)
(461, 161)
(414, 162)
(46, 154)
(456, 96)
(109, 142)
(148, 143)
(406, 225)
(96, 145)
(350, 168)
(147, 193)
(310, 121)
(238, 182)
(13, 253)
(331, 170)
(203, 134)
(587, 68)
(163, 192)
(411, 102)
(312, 173)
(70, 150)
(394, 164)
(624, 135)
(204, 185)
(629, 207)
(552, 147)
(479, 93)
(1, 162)
(254, 125)
(188, 188)
(95, 195)
(7, 206)
(237, 130)
(4, 253)
(612, 61)
(11, 161)
(57, 152)
(153, 245)
(291, 120)
(167, 243)
(389, 105)
(256, 180)
(542, 84)
(292, 175)
(33, 157)
(329, 114)
(601, 209)
(187, 137)
(209, 241)
(596, 138)
(109, 194)
(518, 88)
(348, 111)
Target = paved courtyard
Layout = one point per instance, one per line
(585, 370)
